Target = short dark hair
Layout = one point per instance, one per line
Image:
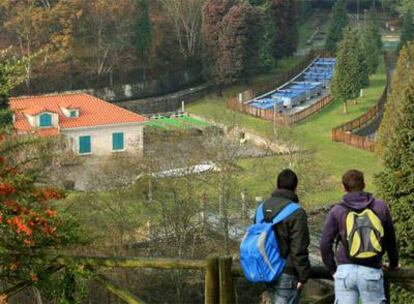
(353, 181)
(287, 180)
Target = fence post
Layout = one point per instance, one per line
(70, 287)
(387, 288)
(211, 284)
(227, 289)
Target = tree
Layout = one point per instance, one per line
(284, 16)
(186, 18)
(31, 226)
(403, 76)
(268, 36)
(389, 5)
(41, 27)
(347, 80)
(363, 65)
(213, 13)
(105, 29)
(396, 183)
(407, 33)
(374, 28)
(143, 29)
(406, 6)
(339, 22)
(239, 43)
(10, 70)
(371, 51)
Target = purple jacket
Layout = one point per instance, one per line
(335, 225)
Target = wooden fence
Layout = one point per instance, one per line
(219, 276)
(276, 117)
(345, 133)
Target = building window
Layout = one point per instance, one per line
(118, 141)
(45, 120)
(73, 113)
(85, 145)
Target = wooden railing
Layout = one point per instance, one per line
(219, 275)
(278, 118)
(346, 133)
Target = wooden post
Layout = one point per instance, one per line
(211, 284)
(227, 290)
(387, 288)
(70, 287)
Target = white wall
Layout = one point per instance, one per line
(101, 138)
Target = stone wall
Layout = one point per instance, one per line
(132, 88)
(166, 103)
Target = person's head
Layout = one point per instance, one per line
(287, 180)
(353, 181)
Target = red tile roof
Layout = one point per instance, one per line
(92, 111)
(47, 132)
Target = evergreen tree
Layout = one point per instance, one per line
(339, 22)
(396, 184)
(143, 29)
(257, 2)
(371, 51)
(403, 75)
(347, 81)
(374, 28)
(363, 67)
(406, 6)
(266, 60)
(284, 16)
(5, 114)
(407, 33)
(239, 43)
(213, 13)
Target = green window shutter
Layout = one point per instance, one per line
(85, 144)
(117, 141)
(45, 120)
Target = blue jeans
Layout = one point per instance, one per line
(285, 291)
(354, 283)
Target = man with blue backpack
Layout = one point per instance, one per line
(275, 248)
(361, 229)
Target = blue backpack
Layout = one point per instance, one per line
(259, 252)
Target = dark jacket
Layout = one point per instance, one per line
(335, 226)
(292, 234)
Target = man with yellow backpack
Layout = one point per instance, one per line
(361, 229)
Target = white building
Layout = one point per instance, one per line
(92, 126)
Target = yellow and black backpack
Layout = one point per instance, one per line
(364, 232)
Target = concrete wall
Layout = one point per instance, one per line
(101, 138)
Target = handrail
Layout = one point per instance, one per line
(219, 274)
(133, 262)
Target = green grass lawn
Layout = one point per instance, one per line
(313, 134)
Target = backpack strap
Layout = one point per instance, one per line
(287, 211)
(259, 214)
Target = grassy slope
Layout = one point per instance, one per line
(315, 134)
